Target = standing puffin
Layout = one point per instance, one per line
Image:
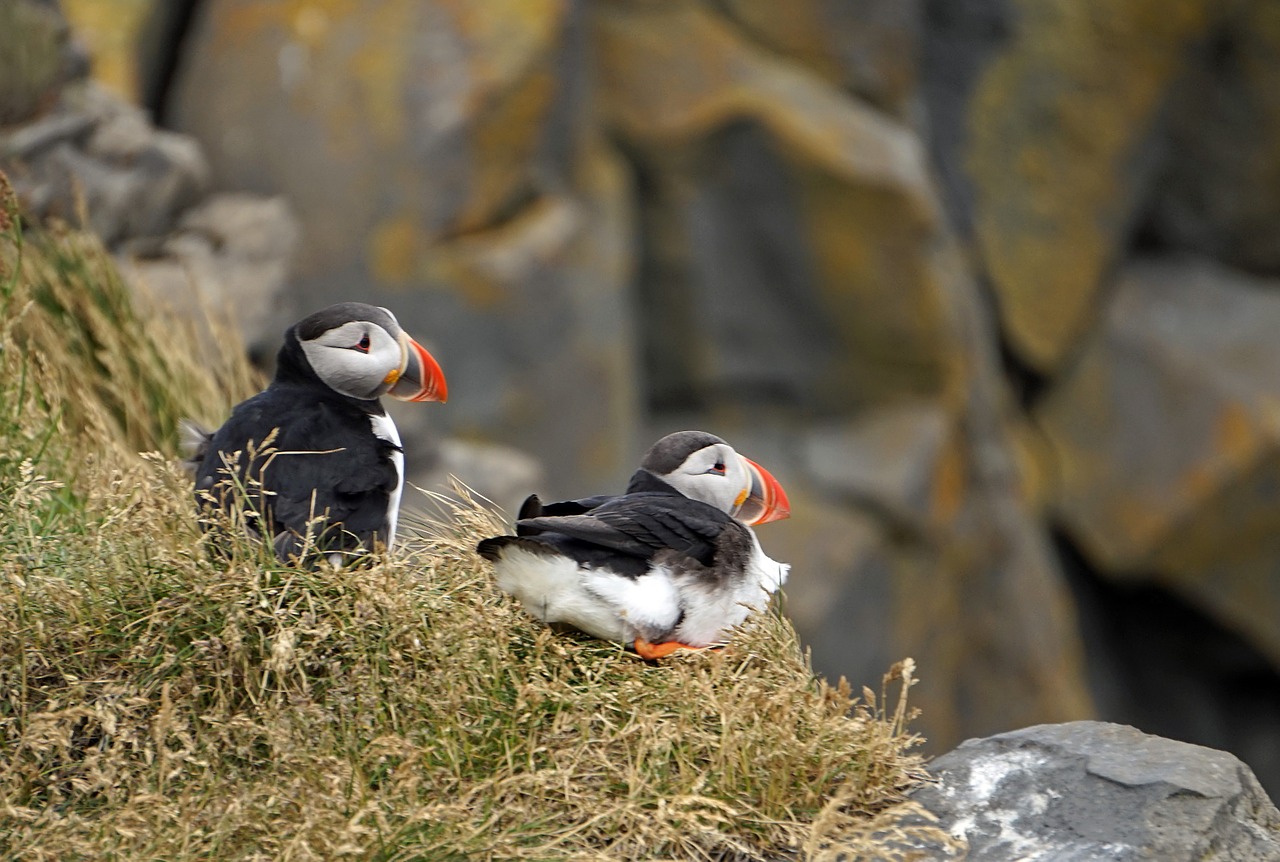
(670, 564)
(315, 454)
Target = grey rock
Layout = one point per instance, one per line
(37, 57)
(869, 47)
(1220, 194)
(97, 155)
(753, 288)
(1086, 791)
(730, 305)
(959, 41)
(1166, 440)
(885, 461)
(31, 139)
(228, 257)
(503, 475)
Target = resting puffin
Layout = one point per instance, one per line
(670, 564)
(333, 452)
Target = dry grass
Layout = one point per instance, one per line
(160, 702)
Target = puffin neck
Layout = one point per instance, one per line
(644, 480)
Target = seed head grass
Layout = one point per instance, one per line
(159, 701)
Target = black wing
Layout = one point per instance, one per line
(640, 525)
(321, 463)
(533, 507)
(641, 482)
(350, 485)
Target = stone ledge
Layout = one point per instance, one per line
(1088, 790)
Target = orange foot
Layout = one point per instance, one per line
(662, 650)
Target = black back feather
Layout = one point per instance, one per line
(636, 526)
(324, 461)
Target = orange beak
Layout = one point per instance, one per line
(420, 377)
(766, 501)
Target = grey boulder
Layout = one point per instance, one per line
(1087, 790)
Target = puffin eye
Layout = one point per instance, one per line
(363, 346)
(718, 469)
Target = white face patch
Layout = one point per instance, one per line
(714, 475)
(355, 358)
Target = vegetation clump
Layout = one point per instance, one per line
(158, 701)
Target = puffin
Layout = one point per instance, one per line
(670, 564)
(314, 461)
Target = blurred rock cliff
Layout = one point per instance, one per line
(991, 286)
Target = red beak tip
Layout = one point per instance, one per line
(428, 374)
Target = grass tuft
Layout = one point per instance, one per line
(158, 701)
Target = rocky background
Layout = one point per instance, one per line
(993, 287)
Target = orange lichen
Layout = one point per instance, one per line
(1056, 121)
(111, 29)
(950, 482)
(395, 249)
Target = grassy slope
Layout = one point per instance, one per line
(157, 703)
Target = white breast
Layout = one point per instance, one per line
(556, 590)
(385, 429)
(711, 609)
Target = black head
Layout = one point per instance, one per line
(314, 325)
(666, 456)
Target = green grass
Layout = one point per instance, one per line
(159, 702)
